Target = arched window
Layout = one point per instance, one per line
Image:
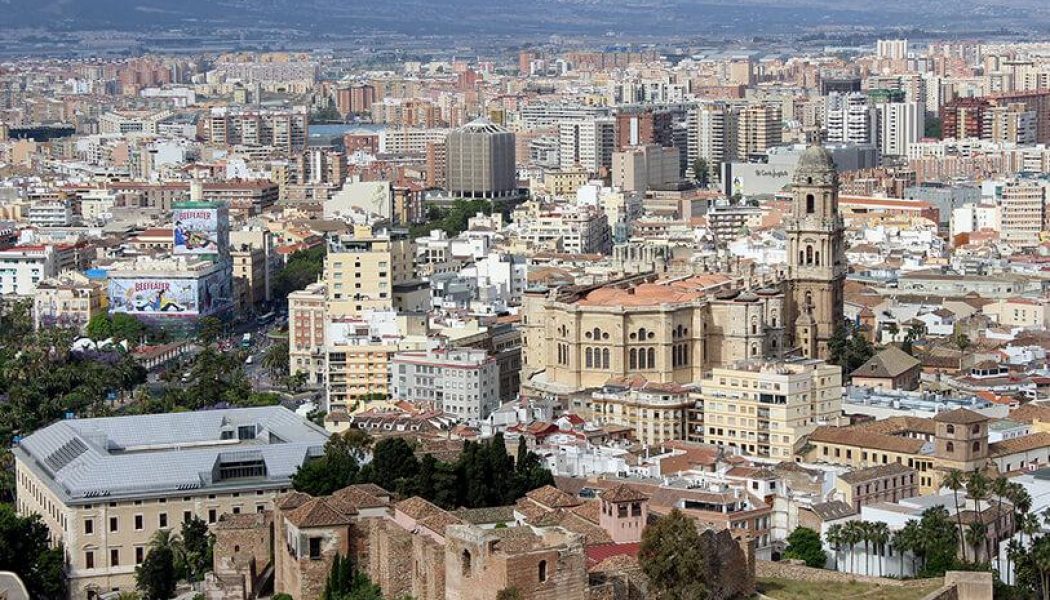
(754, 325)
(597, 333)
(950, 447)
(754, 349)
(816, 258)
(465, 563)
(542, 571)
(809, 255)
(641, 333)
(976, 429)
(652, 358)
(605, 358)
(977, 446)
(589, 358)
(632, 360)
(773, 319)
(810, 204)
(951, 429)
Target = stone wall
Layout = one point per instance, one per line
(783, 570)
(390, 564)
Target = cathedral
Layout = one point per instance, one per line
(676, 329)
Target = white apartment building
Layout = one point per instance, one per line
(463, 382)
(572, 230)
(901, 124)
(972, 217)
(586, 143)
(849, 118)
(22, 267)
(711, 134)
(51, 213)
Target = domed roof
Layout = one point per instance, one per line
(815, 160)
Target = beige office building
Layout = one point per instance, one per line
(104, 487)
(655, 412)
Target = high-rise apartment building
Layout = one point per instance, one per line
(901, 124)
(1023, 212)
(587, 143)
(891, 49)
(285, 128)
(480, 161)
(849, 118)
(640, 127)
(963, 118)
(712, 135)
(765, 408)
(758, 128)
(1011, 124)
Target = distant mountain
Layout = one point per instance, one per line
(458, 17)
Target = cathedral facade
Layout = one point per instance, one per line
(675, 330)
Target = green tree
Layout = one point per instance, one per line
(156, 577)
(197, 547)
(849, 349)
(701, 172)
(394, 465)
(25, 550)
(955, 481)
(672, 557)
(209, 330)
(127, 327)
(336, 469)
(99, 327)
(275, 361)
(938, 542)
(804, 544)
(303, 268)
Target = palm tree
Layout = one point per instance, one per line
(976, 536)
(912, 538)
(977, 488)
(275, 361)
(1014, 549)
(880, 536)
(1041, 554)
(850, 536)
(864, 531)
(1000, 488)
(954, 482)
(833, 537)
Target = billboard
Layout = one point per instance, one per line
(199, 228)
(153, 296)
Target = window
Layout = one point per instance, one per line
(977, 446)
(542, 571)
(465, 563)
(163, 520)
(950, 447)
(112, 524)
(89, 560)
(315, 548)
(211, 515)
(810, 204)
(138, 522)
(951, 429)
(89, 526)
(140, 553)
(187, 516)
(114, 557)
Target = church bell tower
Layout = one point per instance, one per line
(815, 253)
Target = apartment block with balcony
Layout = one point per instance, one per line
(764, 409)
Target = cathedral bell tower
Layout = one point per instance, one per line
(815, 253)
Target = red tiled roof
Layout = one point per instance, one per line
(600, 552)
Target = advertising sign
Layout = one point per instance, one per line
(141, 296)
(197, 229)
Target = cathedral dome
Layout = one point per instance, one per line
(816, 163)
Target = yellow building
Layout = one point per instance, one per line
(564, 183)
(104, 487)
(362, 269)
(764, 409)
(69, 299)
